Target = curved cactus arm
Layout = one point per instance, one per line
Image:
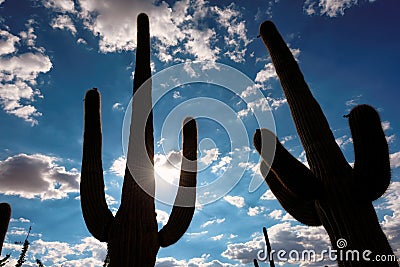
(296, 177)
(185, 200)
(311, 124)
(302, 210)
(5, 215)
(94, 207)
(372, 162)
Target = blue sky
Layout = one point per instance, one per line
(52, 51)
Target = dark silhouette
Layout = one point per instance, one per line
(5, 215)
(132, 235)
(331, 193)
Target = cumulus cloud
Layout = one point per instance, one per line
(236, 201)
(63, 22)
(173, 26)
(395, 160)
(37, 175)
(8, 42)
(209, 156)
(268, 195)
(19, 73)
(330, 8)
(391, 222)
(203, 261)
(254, 211)
(283, 236)
(60, 5)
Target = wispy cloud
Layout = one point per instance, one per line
(236, 201)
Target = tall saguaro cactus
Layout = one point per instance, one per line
(331, 193)
(5, 215)
(132, 235)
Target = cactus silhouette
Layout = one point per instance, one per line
(331, 193)
(132, 235)
(5, 215)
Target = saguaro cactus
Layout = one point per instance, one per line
(331, 193)
(132, 235)
(5, 215)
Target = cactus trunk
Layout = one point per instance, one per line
(337, 196)
(132, 235)
(5, 215)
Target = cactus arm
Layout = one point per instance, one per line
(5, 215)
(296, 177)
(372, 163)
(302, 210)
(311, 124)
(94, 207)
(185, 200)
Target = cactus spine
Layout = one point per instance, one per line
(5, 215)
(132, 235)
(331, 193)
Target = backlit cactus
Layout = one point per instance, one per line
(331, 193)
(5, 215)
(132, 234)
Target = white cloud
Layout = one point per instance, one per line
(63, 22)
(236, 38)
(217, 237)
(176, 95)
(202, 261)
(118, 107)
(19, 73)
(7, 42)
(210, 155)
(282, 236)
(343, 141)
(267, 73)
(210, 222)
(386, 125)
(21, 220)
(253, 211)
(391, 222)
(81, 41)
(60, 5)
(162, 217)
(268, 195)
(37, 175)
(395, 160)
(264, 104)
(222, 165)
(276, 214)
(330, 8)
(236, 201)
(118, 166)
(197, 234)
